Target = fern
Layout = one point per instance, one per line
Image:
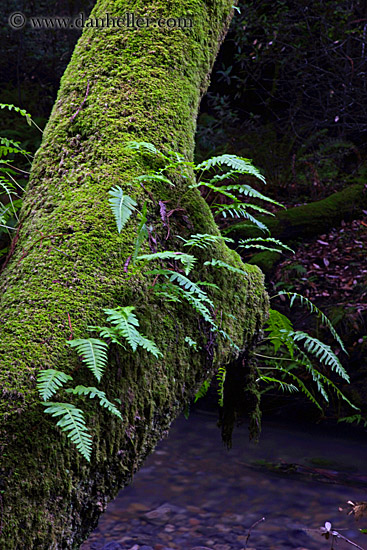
(94, 392)
(122, 206)
(126, 322)
(218, 263)
(72, 423)
(187, 260)
(93, 353)
(142, 233)
(49, 381)
(322, 352)
(356, 418)
(221, 377)
(160, 178)
(248, 191)
(239, 164)
(204, 240)
(202, 391)
(22, 112)
(313, 309)
(283, 385)
(255, 243)
(141, 146)
(279, 326)
(191, 343)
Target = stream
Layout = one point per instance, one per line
(193, 494)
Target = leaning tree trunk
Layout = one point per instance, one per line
(68, 264)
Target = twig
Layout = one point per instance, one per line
(71, 330)
(82, 103)
(252, 527)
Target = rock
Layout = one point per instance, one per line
(162, 514)
(112, 546)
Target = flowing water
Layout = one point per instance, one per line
(192, 493)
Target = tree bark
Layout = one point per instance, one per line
(68, 264)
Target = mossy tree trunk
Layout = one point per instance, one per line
(68, 264)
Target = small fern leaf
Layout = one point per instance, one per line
(239, 164)
(322, 351)
(155, 177)
(142, 233)
(72, 423)
(187, 260)
(93, 353)
(311, 307)
(108, 333)
(204, 240)
(126, 322)
(141, 146)
(248, 191)
(49, 381)
(202, 391)
(252, 243)
(218, 263)
(122, 206)
(191, 342)
(285, 386)
(94, 392)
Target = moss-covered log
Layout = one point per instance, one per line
(306, 221)
(122, 84)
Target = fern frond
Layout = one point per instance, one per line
(322, 351)
(94, 392)
(187, 260)
(72, 423)
(141, 146)
(49, 381)
(239, 164)
(93, 353)
(279, 326)
(238, 209)
(313, 309)
(191, 342)
(248, 243)
(218, 263)
(122, 206)
(285, 386)
(160, 178)
(202, 391)
(302, 386)
(248, 191)
(142, 233)
(357, 418)
(221, 377)
(107, 333)
(184, 282)
(126, 322)
(204, 240)
(22, 112)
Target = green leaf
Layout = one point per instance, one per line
(126, 322)
(187, 260)
(49, 381)
(142, 233)
(94, 392)
(122, 206)
(93, 353)
(311, 307)
(72, 423)
(218, 263)
(240, 164)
